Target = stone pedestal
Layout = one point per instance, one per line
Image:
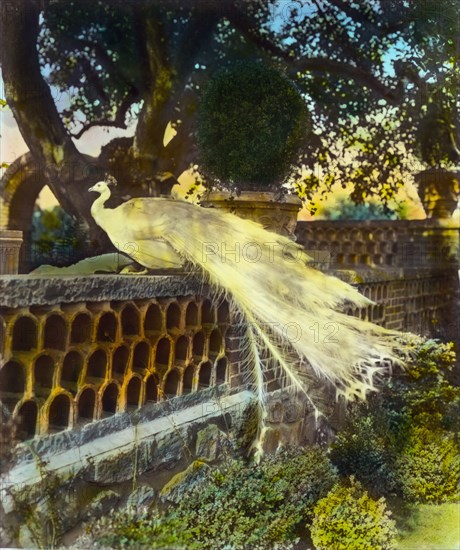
(10, 244)
(279, 216)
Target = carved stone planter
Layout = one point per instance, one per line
(277, 216)
(10, 244)
(439, 192)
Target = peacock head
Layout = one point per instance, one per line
(104, 185)
(99, 187)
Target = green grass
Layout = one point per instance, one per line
(430, 527)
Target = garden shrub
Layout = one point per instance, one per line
(257, 506)
(429, 466)
(234, 506)
(377, 433)
(423, 392)
(367, 448)
(348, 518)
(137, 528)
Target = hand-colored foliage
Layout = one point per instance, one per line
(429, 466)
(252, 122)
(383, 439)
(257, 506)
(349, 518)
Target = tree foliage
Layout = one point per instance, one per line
(377, 76)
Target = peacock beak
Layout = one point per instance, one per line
(92, 188)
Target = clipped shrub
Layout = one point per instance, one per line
(257, 506)
(348, 518)
(429, 466)
(251, 124)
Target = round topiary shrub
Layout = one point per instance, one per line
(251, 125)
(348, 518)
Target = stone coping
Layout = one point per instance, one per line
(428, 223)
(18, 291)
(69, 462)
(29, 290)
(376, 275)
(52, 444)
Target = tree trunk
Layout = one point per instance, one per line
(66, 171)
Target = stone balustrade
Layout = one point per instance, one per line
(382, 244)
(78, 349)
(67, 364)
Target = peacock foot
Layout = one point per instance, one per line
(132, 270)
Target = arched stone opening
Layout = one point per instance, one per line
(19, 189)
(87, 405)
(153, 319)
(43, 375)
(198, 345)
(207, 313)
(71, 370)
(107, 327)
(133, 393)
(141, 357)
(187, 381)
(181, 348)
(55, 333)
(120, 361)
(215, 343)
(81, 329)
(59, 413)
(173, 317)
(163, 352)
(151, 388)
(24, 334)
(221, 370)
(27, 420)
(12, 378)
(130, 321)
(97, 365)
(191, 315)
(204, 377)
(110, 399)
(223, 313)
(171, 385)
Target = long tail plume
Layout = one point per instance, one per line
(269, 279)
(293, 312)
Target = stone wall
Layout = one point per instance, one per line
(382, 244)
(121, 382)
(69, 364)
(409, 268)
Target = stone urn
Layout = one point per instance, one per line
(10, 244)
(279, 216)
(439, 192)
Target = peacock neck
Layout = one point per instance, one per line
(98, 205)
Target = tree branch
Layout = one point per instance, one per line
(118, 122)
(320, 64)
